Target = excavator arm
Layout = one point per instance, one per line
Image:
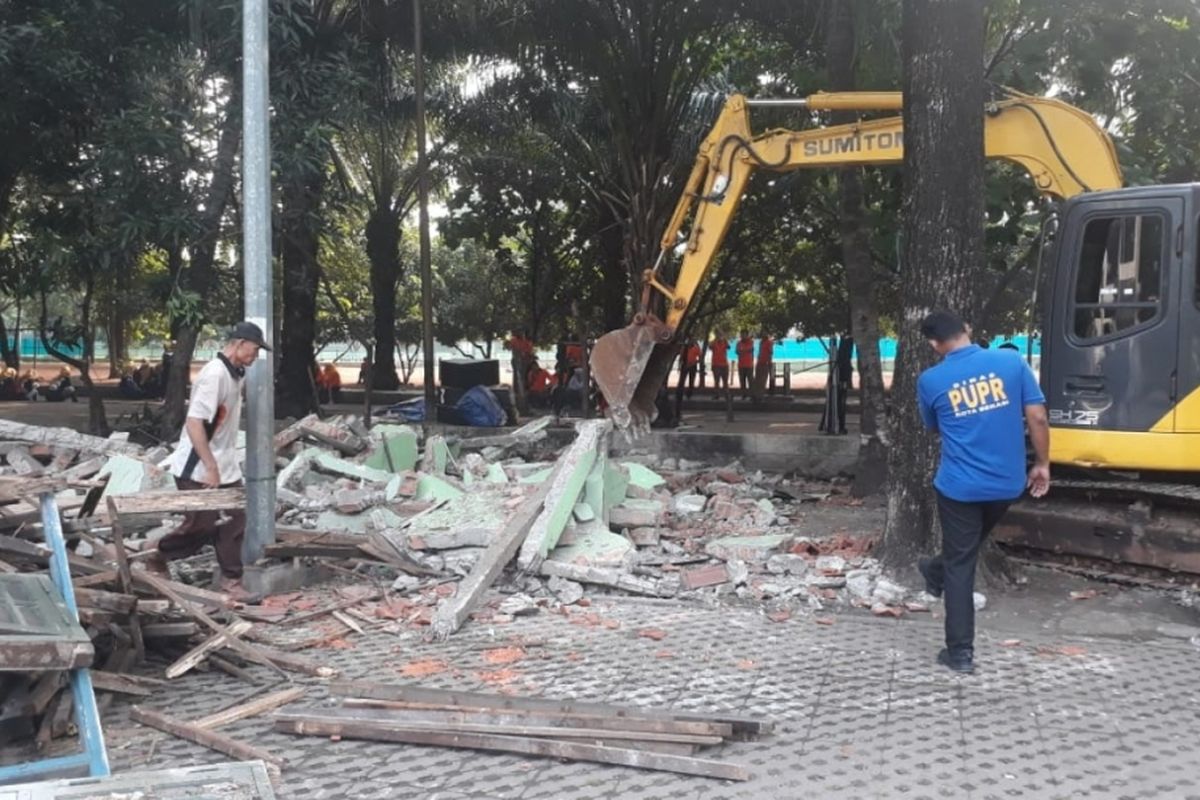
(1062, 149)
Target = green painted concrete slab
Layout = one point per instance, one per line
(397, 441)
(431, 487)
(340, 466)
(642, 476)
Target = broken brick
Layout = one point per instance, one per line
(657, 634)
(708, 575)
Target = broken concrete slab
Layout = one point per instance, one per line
(595, 545)
(571, 472)
(566, 591)
(132, 476)
(584, 512)
(645, 537)
(537, 476)
(887, 592)
(291, 476)
(751, 549)
(637, 513)
(331, 464)
(642, 477)
(496, 474)
(787, 564)
(688, 504)
(397, 448)
(339, 437)
(601, 576)
(431, 487)
(859, 584)
(436, 456)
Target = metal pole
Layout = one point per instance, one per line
(256, 256)
(423, 218)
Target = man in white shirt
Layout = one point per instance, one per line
(206, 458)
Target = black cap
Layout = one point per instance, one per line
(249, 332)
(942, 326)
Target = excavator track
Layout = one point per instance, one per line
(1137, 526)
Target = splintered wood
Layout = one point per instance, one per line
(655, 739)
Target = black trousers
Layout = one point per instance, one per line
(964, 527)
(720, 376)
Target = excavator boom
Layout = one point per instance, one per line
(631, 364)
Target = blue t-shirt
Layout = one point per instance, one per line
(976, 398)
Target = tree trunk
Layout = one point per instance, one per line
(383, 250)
(294, 389)
(9, 354)
(200, 276)
(856, 258)
(614, 280)
(118, 321)
(942, 228)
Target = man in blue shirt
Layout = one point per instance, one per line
(979, 401)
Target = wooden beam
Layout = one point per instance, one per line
(118, 537)
(480, 723)
(202, 736)
(172, 501)
(576, 751)
(112, 682)
(305, 617)
(450, 713)
(253, 708)
(191, 658)
(746, 726)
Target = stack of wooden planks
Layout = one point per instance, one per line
(645, 738)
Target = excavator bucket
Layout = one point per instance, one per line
(630, 366)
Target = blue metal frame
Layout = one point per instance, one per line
(87, 716)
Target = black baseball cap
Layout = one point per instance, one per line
(249, 332)
(942, 326)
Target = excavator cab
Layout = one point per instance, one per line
(1121, 339)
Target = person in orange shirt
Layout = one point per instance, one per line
(745, 362)
(766, 359)
(537, 384)
(690, 365)
(719, 347)
(329, 385)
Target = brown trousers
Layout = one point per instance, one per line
(204, 527)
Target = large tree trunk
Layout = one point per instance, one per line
(10, 354)
(615, 280)
(942, 230)
(856, 259)
(383, 250)
(295, 395)
(200, 276)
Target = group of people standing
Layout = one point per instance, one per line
(752, 365)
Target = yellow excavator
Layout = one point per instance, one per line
(1120, 324)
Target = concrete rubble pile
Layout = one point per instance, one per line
(421, 533)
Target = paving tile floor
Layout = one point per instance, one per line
(861, 710)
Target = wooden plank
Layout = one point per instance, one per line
(452, 713)
(229, 668)
(292, 535)
(7, 567)
(305, 617)
(191, 658)
(295, 662)
(253, 708)
(347, 620)
(107, 601)
(118, 536)
(172, 501)
(202, 736)
(193, 594)
(170, 630)
(453, 611)
(47, 685)
(98, 579)
(482, 723)
(576, 751)
(750, 726)
(112, 682)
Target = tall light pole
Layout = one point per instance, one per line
(423, 218)
(256, 260)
